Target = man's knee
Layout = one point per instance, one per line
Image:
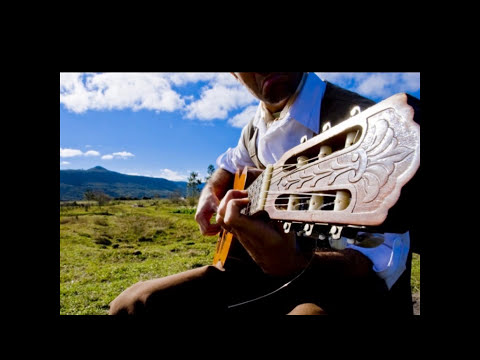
(173, 291)
(129, 302)
(307, 309)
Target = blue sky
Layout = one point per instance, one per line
(169, 124)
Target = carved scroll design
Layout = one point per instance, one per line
(371, 163)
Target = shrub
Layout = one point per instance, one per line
(99, 196)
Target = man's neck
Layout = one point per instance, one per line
(273, 108)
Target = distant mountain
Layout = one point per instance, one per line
(74, 183)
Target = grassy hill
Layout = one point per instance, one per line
(104, 250)
(74, 183)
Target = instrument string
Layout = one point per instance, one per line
(282, 171)
(276, 290)
(307, 196)
(298, 193)
(326, 204)
(279, 169)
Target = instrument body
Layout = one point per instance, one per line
(227, 245)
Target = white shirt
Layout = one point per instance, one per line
(295, 121)
(300, 117)
(390, 258)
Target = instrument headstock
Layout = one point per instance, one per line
(350, 174)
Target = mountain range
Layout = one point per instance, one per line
(74, 183)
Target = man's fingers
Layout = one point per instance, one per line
(232, 213)
(206, 228)
(230, 199)
(234, 194)
(211, 229)
(230, 195)
(203, 220)
(239, 204)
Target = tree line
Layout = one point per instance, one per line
(193, 190)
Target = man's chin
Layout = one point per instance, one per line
(278, 94)
(278, 101)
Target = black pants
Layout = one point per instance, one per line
(331, 286)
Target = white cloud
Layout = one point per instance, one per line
(180, 79)
(221, 94)
(70, 152)
(171, 175)
(117, 155)
(226, 79)
(109, 91)
(383, 85)
(123, 154)
(224, 94)
(241, 119)
(80, 92)
(377, 86)
(64, 163)
(342, 79)
(411, 81)
(168, 174)
(65, 153)
(215, 102)
(91, 153)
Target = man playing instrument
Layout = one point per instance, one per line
(293, 274)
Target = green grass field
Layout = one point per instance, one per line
(104, 250)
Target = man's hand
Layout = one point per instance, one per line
(229, 210)
(216, 187)
(207, 206)
(265, 241)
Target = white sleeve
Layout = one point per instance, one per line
(389, 259)
(236, 158)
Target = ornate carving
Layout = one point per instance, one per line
(372, 162)
(373, 169)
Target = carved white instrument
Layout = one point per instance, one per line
(349, 175)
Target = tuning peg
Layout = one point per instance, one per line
(336, 231)
(335, 239)
(326, 126)
(308, 229)
(355, 111)
(301, 161)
